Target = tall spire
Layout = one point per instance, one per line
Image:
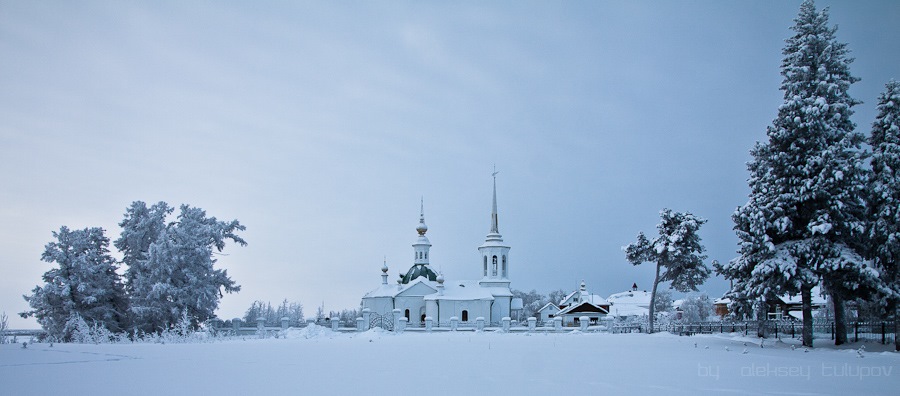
(422, 228)
(495, 227)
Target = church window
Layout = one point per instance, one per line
(426, 255)
(465, 316)
(494, 267)
(407, 314)
(504, 266)
(485, 265)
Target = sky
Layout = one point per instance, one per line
(321, 125)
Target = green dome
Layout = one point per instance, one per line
(419, 270)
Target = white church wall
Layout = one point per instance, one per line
(415, 305)
(379, 305)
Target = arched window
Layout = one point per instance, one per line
(485, 265)
(426, 255)
(504, 266)
(494, 268)
(465, 316)
(407, 315)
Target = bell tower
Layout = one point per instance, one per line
(422, 245)
(494, 253)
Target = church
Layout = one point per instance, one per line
(422, 293)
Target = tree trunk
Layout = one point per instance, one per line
(762, 313)
(896, 312)
(806, 295)
(840, 320)
(653, 300)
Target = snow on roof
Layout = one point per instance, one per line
(585, 296)
(553, 307)
(816, 294)
(723, 300)
(573, 306)
(641, 298)
(463, 290)
(392, 290)
(629, 303)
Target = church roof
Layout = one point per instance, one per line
(463, 290)
(419, 270)
(394, 291)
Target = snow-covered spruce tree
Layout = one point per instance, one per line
(180, 277)
(884, 201)
(803, 220)
(140, 228)
(677, 253)
(84, 284)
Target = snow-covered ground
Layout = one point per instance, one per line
(379, 363)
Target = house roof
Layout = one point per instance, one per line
(583, 296)
(629, 303)
(551, 306)
(583, 306)
(816, 294)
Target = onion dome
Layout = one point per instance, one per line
(440, 278)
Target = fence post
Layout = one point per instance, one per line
(429, 322)
(367, 317)
(261, 326)
(532, 323)
(360, 324)
(883, 338)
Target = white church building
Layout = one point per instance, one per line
(423, 293)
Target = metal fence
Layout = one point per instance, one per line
(881, 332)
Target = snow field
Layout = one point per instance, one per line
(383, 363)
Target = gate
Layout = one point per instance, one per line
(385, 321)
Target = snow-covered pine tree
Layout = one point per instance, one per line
(884, 200)
(180, 275)
(805, 212)
(677, 253)
(84, 284)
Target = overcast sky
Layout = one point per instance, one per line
(320, 125)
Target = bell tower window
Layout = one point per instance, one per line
(494, 267)
(504, 266)
(485, 265)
